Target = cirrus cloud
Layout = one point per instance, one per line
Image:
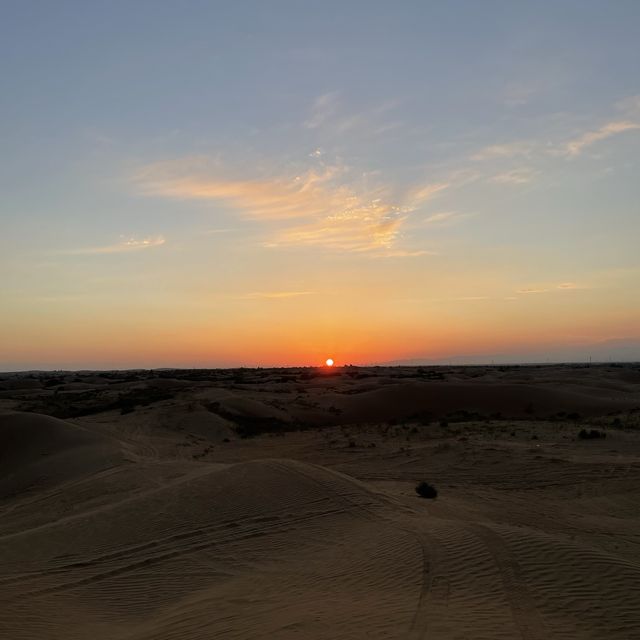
(319, 207)
(124, 246)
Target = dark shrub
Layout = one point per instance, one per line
(591, 434)
(425, 490)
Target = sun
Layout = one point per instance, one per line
(329, 362)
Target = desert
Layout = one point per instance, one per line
(281, 503)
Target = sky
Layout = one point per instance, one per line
(252, 183)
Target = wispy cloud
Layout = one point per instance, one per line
(274, 295)
(323, 108)
(405, 254)
(215, 232)
(563, 286)
(521, 175)
(441, 219)
(576, 146)
(572, 286)
(124, 246)
(272, 199)
(530, 149)
(531, 290)
(523, 148)
(325, 208)
(331, 115)
(628, 120)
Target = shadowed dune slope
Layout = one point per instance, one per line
(38, 452)
(407, 400)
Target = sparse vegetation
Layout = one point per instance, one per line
(425, 490)
(591, 434)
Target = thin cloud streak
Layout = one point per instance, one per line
(576, 146)
(563, 286)
(505, 150)
(522, 175)
(529, 149)
(405, 254)
(274, 295)
(127, 245)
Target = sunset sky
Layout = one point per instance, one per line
(273, 183)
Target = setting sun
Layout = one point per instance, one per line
(329, 362)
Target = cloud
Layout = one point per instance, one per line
(514, 176)
(267, 199)
(323, 108)
(525, 291)
(444, 218)
(506, 150)
(629, 110)
(576, 146)
(319, 207)
(572, 286)
(274, 295)
(419, 195)
(563, 286)
(126, 245)
(330, 115)
(440, 217)
(215, 232)
(363, 227)
(405, 254)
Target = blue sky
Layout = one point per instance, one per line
(208, 183)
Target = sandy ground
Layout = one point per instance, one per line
(281, 504)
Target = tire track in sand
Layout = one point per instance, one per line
(525, 614)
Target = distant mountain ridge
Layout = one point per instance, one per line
(619, 350)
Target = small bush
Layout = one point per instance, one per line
(425, 490)
(591, 434)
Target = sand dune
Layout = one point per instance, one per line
(162, 523)
(38, 452)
